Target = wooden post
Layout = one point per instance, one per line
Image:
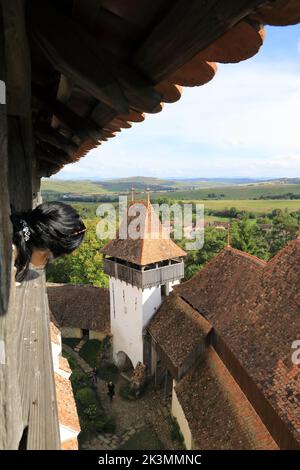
(5, 225)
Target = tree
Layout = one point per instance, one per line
(83, 266)
(214, 242)
(284, 229)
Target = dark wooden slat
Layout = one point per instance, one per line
(186, 30)
(80, 126)
(20, 163)
(50, 154)
(77, 55)
(67, 48)
(5, 226)
(18, 59)
(51, 136)
(46, 169)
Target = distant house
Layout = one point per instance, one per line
(79, 310)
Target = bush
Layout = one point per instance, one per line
(72, 342)
(90, 351)
(79, 379)
(86, 396)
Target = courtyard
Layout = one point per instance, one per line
(143, 423)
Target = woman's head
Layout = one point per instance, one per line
(54, 227)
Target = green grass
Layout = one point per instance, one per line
(146, 439)
(246, 191)
(72, 342)
(258, 207)
(72, 186)
(89, 352)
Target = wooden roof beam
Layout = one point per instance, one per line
(82, 127)
(76, 54)
(51, 154)
(46, 169)
(186, 30)
(49, 135)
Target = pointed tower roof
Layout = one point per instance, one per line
(141, 238)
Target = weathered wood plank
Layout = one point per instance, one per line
(34, 371)
(20, 162)
(11, 416)
(5, 226)
(186, 30)
(18, 61)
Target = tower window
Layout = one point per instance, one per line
(124, 295)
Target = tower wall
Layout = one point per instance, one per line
(131, 308)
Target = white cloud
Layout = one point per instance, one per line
(244, 123)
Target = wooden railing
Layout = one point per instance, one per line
(28, 409)
(144, 278)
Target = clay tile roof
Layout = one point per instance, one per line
(64, 365)
(67, 412)
(85, 307)
(218, 413)
(54, 333)
(153, 244)
(178, 329)
(217, 286)
(255, 308)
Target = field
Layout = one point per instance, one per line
(252, 191)
(72, 186)
(246, 197)
(258, 207)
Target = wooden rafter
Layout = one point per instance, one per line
(76, 54)
(198, 24)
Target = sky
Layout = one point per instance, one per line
(244, 123)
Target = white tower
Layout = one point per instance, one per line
(142, 270)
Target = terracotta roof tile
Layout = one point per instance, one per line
(255, 308)
(76, 306)
(218, 413)
(67, 411)
(152, 245)
(178, 329)
(54, 333)
(64, 365)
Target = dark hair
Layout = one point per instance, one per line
(52, 225)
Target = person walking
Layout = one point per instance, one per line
(110, 390)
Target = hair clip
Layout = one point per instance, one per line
(25, 230)
(80, 231)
